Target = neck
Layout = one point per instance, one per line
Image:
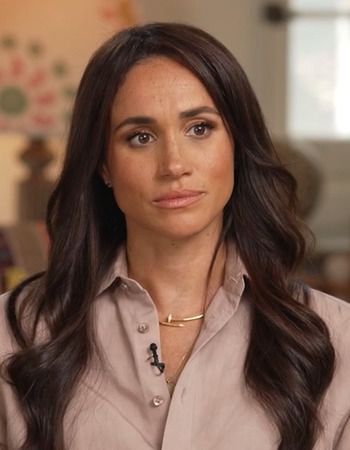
(176, 275)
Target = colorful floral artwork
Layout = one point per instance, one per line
(35, 92)
(43, 51)
(117, 13)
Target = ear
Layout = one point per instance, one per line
(105, 175)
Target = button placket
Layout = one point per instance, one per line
(143, 327)
(157, 401)
(123, 285)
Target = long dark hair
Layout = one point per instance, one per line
(290, 360)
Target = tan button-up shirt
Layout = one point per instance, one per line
(127, 405)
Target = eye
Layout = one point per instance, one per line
(200, 129)
(140, 138)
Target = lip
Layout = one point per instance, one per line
(178, 199)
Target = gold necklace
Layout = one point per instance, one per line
(171, 380)
(171, 322)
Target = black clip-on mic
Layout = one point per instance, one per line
(161, 366)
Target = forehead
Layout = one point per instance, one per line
(159, 83)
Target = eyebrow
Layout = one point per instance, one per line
(145, 120)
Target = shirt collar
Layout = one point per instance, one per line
(118, 270)
(235, 271)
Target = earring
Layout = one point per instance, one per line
(108, 183)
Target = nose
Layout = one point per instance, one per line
(172, 160)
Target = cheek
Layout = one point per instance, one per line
(222, 165)
(129, 179)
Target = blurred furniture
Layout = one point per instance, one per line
(301, 160)
(35, 190)
(328, 272)
(23, 252)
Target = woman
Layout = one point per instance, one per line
(168, 317)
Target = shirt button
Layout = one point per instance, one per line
(157, 401)
(143, 327)
(123, 285)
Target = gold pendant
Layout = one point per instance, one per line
(170, 322)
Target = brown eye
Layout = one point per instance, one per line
(200, 129)
(140, 139)
(143, 138)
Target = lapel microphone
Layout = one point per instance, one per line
(153, 348)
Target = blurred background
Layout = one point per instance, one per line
(296, 54)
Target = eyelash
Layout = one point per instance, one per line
(208, 125)
(136, 134)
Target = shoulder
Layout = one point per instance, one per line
(336, 314)
(336, 404)
(334, 311)
(24, 297)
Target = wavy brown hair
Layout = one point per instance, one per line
(290, 360)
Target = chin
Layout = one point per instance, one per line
(178, 236)
(186, 231)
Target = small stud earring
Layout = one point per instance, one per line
(108, 183)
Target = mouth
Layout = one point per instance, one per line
(180, 201)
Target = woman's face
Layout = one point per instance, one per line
(167, 136)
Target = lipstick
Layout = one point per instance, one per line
(178, 199)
